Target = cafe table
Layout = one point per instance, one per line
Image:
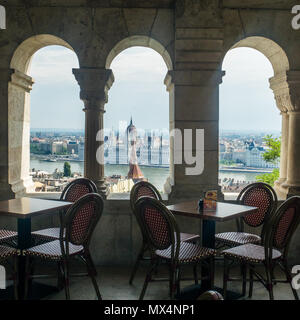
(23, 209)
(223, 212)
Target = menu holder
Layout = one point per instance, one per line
(210, 200)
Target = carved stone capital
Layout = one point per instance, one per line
(286, 88)
(94, 85)
(294, 85)
(22, 80)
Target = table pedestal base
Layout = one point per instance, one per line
(194, 291)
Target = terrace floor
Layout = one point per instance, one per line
(113, 283)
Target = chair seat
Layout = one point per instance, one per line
(237, 238)
(45, 235)
(6, 252)
(188, 252)
(250, 253)
(189, 237)
(52, 250)
(7, 235)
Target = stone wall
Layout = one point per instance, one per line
(192, 36)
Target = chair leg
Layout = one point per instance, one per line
(28, 275)
(60, 276)
(212, 272)
(269, 282)
(172, 280)
(92, 273)
(289, 280)
(66, 279)
(244, 276)
(195, 271)
(15, 278)
(251, 282)
(225, 277)
(137, 263)
(178, 277)
(147, 279)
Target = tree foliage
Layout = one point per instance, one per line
(67, 169)
(273, 153)
(269, 178)
(271, 156)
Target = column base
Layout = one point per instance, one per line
(103, 189)
(285, 190)
(21, 187)
(6, 191)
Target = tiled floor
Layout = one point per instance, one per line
(113, 283)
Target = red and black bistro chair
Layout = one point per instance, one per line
(273, 251)
(76, 231)
(9, 258)
(72, 192)
(163, 237)
(8, 237)
(146, 189)
(260, 195)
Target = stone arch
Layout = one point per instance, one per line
(141, 41)
(19, 110)
(270, 49)
(279, 84)
(145, 41)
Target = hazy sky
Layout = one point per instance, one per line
(246, 102)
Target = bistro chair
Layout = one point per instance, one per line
(163, 237)
(8, 237)
(146, 189)
(260, 195)
(273, 252)
(72, 192)
(9, 256)
(75, 235)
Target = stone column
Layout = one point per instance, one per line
(5, 188)
(284, 146)
(15, 88)
(288, 96)
(194, 99)
(293, 167)
(280, 88)
(94, 84)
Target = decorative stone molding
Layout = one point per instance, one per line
(294, 84)
(280, 87)
(22, 80)
(194, 78)
(94, 85)
(286, 88)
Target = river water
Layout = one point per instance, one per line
(156, 176)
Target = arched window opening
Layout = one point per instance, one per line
(250, 123)
(137, 121)
(56, 120)
(43, 63)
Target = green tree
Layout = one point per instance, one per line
(271, 156)
(67, 169)
(274, 144)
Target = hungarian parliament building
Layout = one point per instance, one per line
(151, 150)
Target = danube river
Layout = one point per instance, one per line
(157, 176)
